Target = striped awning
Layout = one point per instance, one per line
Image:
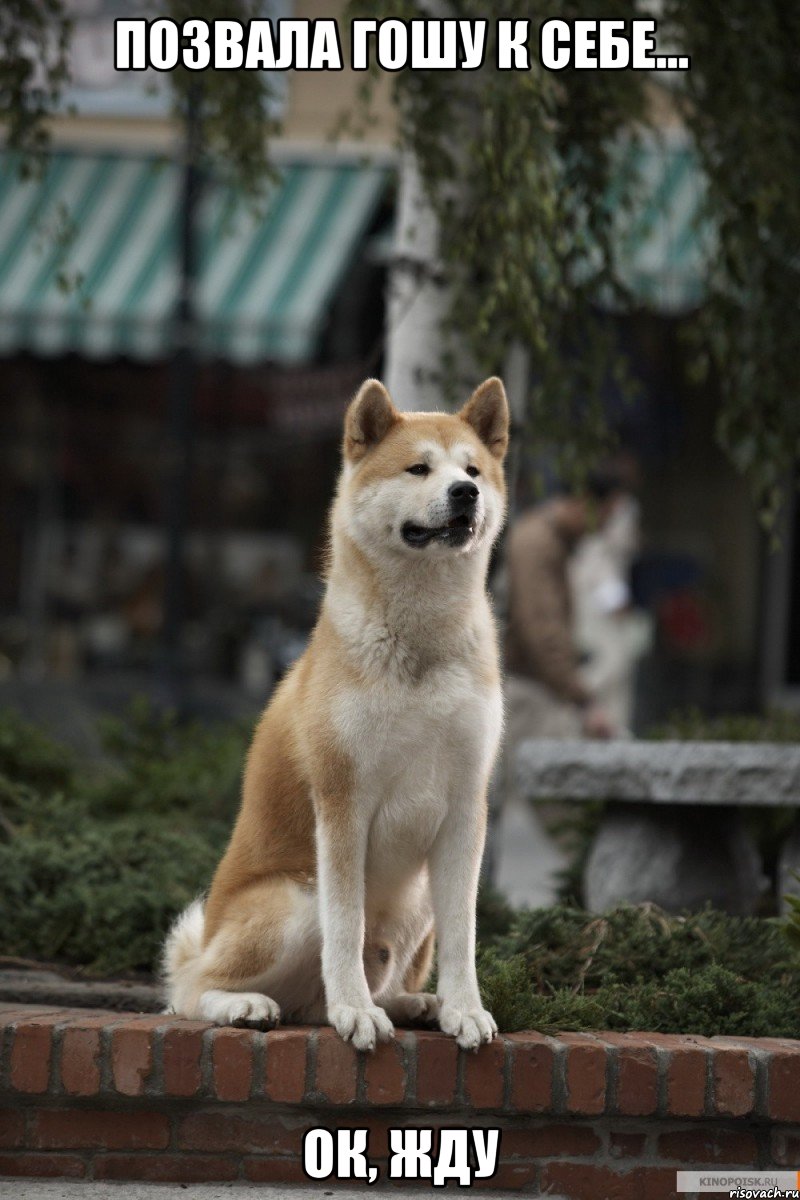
(89, 257)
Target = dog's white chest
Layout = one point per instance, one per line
(415, 751)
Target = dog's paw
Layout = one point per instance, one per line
(469, 1026)
(251, 1009)
(361, 1026)
(413, 1006)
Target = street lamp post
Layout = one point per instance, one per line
(182, 382)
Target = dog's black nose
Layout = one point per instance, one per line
(462, 494)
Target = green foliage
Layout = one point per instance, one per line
(99, 894)
(637, 968)
(567, 947)
(163, 766)
(710, 1002)
(494, 915)
(34, 38)
(692, 725)
(518, 166)
(30, 755)
(743, 109)
(234, 106)
(95, 862)
(506, 991)
(792, 923)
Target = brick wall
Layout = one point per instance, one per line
(102, 1095)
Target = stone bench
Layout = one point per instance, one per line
(672, 831)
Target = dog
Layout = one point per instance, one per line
(363, 812)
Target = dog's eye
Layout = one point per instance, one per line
(419, 469)
(472, 471)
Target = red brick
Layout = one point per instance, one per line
(687, 1071)
(80, 1061)
(532, 1059)
(750, 1043)
(10, 1014)
(734, 1083)
(584, 1182)
(12, 1128)
(581, 1181)
(274, 1170)
(784, 1085)
(637, 1074)
(337, 1065)
(785, 1148)
(658, 1183)
(286, 1065)
(626, 1145)
(166, 1168)
(73, 1129)
(512, 1177)
(217, 1132)
(709, 1147)
(31, 1054)
(550, 1141)
(42, 1166)
(132, 1057)
(232, 1063)
(437, 1061)
(377, 1130)
(385, 1073)
(182, 1050)
(585, 1075)
(484, 1072)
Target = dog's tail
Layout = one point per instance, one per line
(180, 959)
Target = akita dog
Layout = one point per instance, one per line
(364, 799)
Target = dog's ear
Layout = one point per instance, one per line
(369, 418)
(487, 412)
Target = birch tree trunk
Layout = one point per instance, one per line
(417, 300)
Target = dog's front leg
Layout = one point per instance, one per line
(454, 866)
(341, 856)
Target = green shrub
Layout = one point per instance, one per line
(95, 863)
(100, 894)
(30, 756)
(160, 765)
(567, 947)
(692, 725)
(637, 968)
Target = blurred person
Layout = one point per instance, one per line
(547, 695)
(611, 634)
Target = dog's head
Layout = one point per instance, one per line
(427, 484)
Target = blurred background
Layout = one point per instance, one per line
(175, 359)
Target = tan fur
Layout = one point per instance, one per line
(260, 929)
(417, 974)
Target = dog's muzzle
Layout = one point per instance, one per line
(462, 498)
